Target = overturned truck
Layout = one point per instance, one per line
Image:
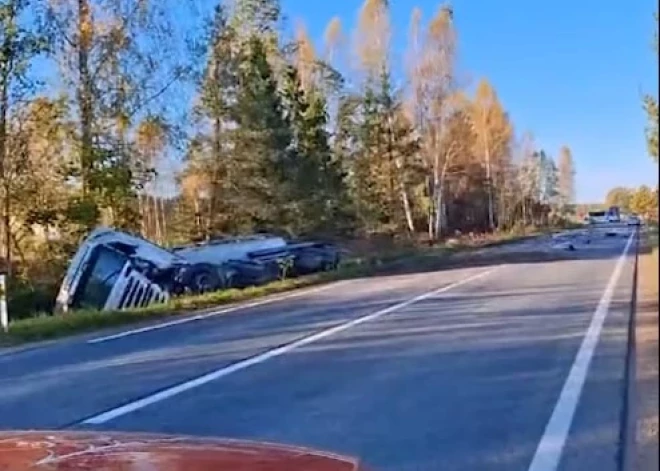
(113, 270)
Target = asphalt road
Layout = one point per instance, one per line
(512, 367)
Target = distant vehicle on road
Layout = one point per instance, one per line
(633, 220)
(597, 217)
(612, 215)
(78, 451)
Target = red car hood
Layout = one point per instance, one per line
(77, 451)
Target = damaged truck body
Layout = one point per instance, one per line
(113, 270)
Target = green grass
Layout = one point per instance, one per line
(46, 327)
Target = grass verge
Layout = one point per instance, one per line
(46, 327)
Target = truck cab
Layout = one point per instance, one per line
(613, 214)
(113, 270)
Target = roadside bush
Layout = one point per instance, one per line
(24, 299)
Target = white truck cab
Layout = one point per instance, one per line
(111, 270)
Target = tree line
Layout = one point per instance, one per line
(642, 201)
(283, 135)
(651, 107)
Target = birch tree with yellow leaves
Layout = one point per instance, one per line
(21, 40)
(113, 67)
(493, 131)
(651, 107)
(432, 100)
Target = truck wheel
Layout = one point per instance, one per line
(333, 265)
(203, 278)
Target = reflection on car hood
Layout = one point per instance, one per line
(77, 451)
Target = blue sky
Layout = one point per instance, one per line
(569, 71)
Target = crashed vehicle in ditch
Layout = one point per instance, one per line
(114, 270)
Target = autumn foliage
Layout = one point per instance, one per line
(235, 125)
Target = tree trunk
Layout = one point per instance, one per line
(4, 179)
(441, 218)
(441, 214)
(405, 200)
(430, 223)
(215, 177)
(431, 193)
(407, 210)
(6, 224)
(439, 203)
(143, 226)
(437, 197)
(156, 218)
(85, 92)
(161, 205)
(198, 216)
(148, 220)
(489, 183)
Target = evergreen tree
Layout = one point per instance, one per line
(398, 150)
(319, 180)
(262, 139)
(218, 91)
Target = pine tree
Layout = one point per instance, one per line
(262, 139)
(256, 17)
(367, 188)
(316, 182)
(218, 90)
(398, 155)
(259, 18)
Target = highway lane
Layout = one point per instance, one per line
(465, 379)
(62, 384)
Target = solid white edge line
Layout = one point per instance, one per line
(198, 317)
(550, 447)
(276, 352)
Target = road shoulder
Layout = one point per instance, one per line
(647, 364)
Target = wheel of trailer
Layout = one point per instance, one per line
(203, 278)
(330, 266)
(228, 281)
(333, 265)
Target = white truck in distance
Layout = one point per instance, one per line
(113, 270)
(612, 215)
